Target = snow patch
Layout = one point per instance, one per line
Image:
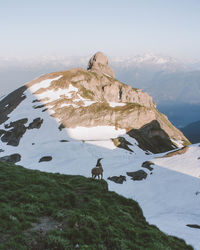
(43, 84)
(187, 163)
(116, 104)
(99, 133)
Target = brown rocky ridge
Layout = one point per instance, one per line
(98, 99)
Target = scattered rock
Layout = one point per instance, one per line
(147, 164)
(1, 150)
(36, 123)
(197, 192)
(13, 136)
(198, 158)
(36, 100)
(44, 110)
(11, 158)
(118, 179)
(193, 226)
(39, 106)
(33, 143)
(45, 158)
(137, 175)
(64, 141)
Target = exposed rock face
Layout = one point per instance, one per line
(10, 102)
(137, 175)
(152, 137)
(99, 63)
(11, 158)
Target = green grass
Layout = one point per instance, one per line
(86, 93)
(89, 214)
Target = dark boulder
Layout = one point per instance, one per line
(137, 175)
(64, 141)
(118, 179)
(45, 158)
(11, 158)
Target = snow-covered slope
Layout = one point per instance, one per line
(32, 126)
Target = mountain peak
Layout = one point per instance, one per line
(99, 63)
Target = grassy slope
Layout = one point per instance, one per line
(88, 213)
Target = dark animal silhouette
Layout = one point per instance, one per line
(98, 170)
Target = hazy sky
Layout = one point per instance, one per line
(116, 27)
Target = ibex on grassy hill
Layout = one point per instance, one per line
(98, 170)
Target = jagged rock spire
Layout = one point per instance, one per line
(99, 63)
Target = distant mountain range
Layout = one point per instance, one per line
(192, 131)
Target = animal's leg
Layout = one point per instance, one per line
(101, 176)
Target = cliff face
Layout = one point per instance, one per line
(93, 97)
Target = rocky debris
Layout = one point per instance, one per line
(137, 175)
(99, 63)
(11, 158)
(147, 164)
(17, 129)
(13, 136)
(39, 106)
(198, 158)
(45, 158)
(193, 226)
(45, 224)
(36, 123)
(176, 152)
(36, 100)
(1, 150)
(121, 142)
(118, 179)
(64, 141)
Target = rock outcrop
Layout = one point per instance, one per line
(14, 158)
(137, 175)
(99, 64)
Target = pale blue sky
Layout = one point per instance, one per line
(116, 27)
